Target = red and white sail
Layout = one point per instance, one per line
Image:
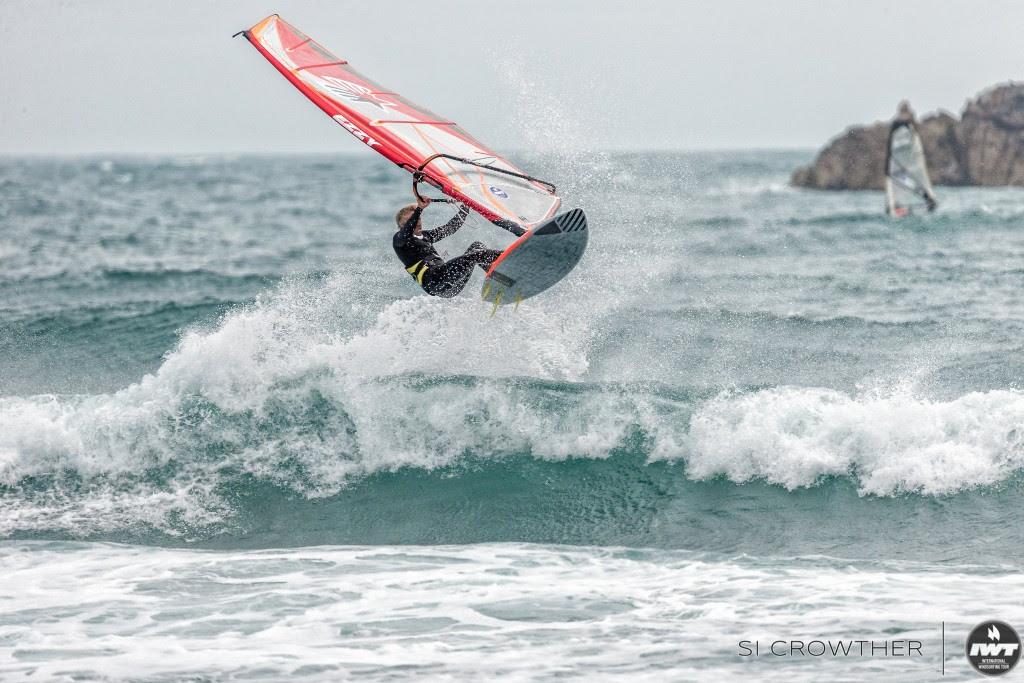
(405, 133)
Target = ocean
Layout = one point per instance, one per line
(237, 443)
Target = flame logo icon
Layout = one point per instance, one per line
(993, 633)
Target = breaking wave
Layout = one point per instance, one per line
(283, 395)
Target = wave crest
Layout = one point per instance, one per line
(891, 442)
(284, 394)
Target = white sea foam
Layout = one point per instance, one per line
(477, 612)
(891, 441)
(8, 249)
(738, 187)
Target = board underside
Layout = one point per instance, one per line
(537, 260)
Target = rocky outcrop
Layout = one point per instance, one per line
(851, 161)
(992, 130)
(943, 149)
(984, 147)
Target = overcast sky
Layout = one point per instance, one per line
(162, 77)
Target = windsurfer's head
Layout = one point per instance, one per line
(905, 112)
(403, 215)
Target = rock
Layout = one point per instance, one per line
(943, 149)
(851, 161)
(992, 128)
(984, 147)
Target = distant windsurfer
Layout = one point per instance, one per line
(921, 185)
(415, 248)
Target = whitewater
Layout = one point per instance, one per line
(752, 412)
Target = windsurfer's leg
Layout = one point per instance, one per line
(484, 257)
(448, 279)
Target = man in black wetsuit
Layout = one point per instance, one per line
(415, 248)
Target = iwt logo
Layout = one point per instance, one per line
(993, 648)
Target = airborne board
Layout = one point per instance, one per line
(907, 185)
(435, 150)
(537, 260)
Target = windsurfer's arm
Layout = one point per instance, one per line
(449, 228)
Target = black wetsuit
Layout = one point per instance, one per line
(421, 260)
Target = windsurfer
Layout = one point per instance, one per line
(415, 248)
(905, 117)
